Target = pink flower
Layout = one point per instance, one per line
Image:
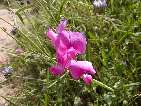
(87, 79)
(68, 45)
(72, 39)
(78, 68)
(66, 39)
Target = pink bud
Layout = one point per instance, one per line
(19, 51)
(87, 79)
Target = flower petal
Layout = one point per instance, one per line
(61, 26)
(71, 53)
(61, 49)
(75, 71)
(65, 57)
(78, 41)
(87, 79)
(56, 70)
(87, 66)
(62, 60)
(63, 38)
(78, 68)
(52, 36)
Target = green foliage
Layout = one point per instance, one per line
(113, 47)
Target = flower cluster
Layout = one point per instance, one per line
(7, 70)
(68, 45)
(100, 3)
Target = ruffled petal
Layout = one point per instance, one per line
(61, 49)
(75, 71)
(87, 79)
(62, 60)
(71, 53)
(65, 57)
(64, 52)
(78, 68)
(78, 41)
(87, 66)
(56, 70)
(64, 39)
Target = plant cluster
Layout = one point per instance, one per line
(113, 47)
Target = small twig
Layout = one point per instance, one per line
(7, 22)
(8, 34)
(57, 80)
(8, 100)
(102, 85)
(135, 97)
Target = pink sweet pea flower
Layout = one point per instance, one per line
(87, 79)
(52, 35)
(67, 45)
(78, 68)
(59, 39)
(66, 39)
(72, 39)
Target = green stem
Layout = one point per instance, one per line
(102, 85)
(57, 80)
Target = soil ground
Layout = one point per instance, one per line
(6, 45)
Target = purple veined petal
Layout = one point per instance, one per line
(87, 66)
(61, 26)
(52, 36)
(76, 73)
(64, 38)
(71, 53)
(61, 49)
(56, 70)
(65, 58)
(78, 68)
(61, 52)
(87, 79)
(62, 60)
(78, 41)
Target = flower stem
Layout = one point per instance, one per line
(102, 85)
(57, 80)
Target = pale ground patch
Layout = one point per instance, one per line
(6, 45)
